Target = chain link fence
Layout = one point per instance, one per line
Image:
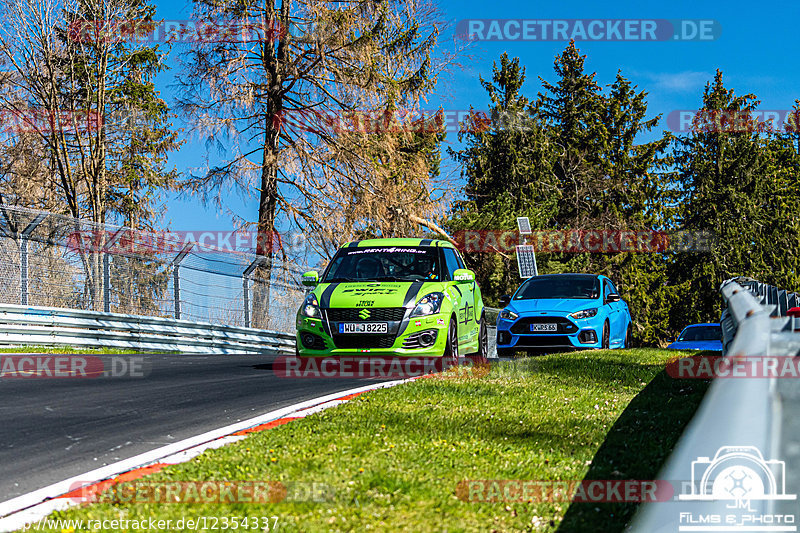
(54, 260)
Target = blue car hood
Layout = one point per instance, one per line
(696, 345)
(553, 305)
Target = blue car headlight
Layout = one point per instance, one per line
(430, 304)
(507, 314)
(586, 313)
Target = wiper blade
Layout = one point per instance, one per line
(380, 278)
(400, 278)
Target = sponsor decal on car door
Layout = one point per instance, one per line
(465, 311)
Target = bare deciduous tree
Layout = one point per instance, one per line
(296, 59)
(73, 81)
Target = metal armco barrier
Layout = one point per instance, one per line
(69, 327)
(745, 426)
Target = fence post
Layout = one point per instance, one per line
(107, 268)
(176, 277)
(246, 287)
(246, 294)
(23, 271)
(23, 257)
(106, 283)
(176, 290)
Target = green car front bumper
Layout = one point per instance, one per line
(419, 336)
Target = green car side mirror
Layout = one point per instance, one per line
(311, 278)
(464, 275)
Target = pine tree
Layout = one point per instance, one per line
(507, 164)
(728, 182)
(608, 182)
(572, 110)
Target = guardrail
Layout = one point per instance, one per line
(55, 326)
(749, 422)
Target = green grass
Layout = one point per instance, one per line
(394, 457)
(67, 350)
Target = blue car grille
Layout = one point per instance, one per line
(563, 326)
(544, 341)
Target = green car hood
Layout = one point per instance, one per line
(374, 293)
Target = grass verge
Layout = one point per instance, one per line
(392, 459)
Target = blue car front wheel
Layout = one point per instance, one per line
(606, 336)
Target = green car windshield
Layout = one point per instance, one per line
(391, 263)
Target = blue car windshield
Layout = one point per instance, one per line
(701, 333)
(560, 288)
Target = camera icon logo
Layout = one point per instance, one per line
(738, 473)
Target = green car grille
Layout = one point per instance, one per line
(363, 341)
(365, 314)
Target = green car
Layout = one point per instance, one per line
(398, 297)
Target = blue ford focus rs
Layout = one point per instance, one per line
(699, 337)
(563, 311)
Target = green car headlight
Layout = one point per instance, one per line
(310, 307)
(586, 313)
(430, 304)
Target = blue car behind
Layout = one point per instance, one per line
(563, 311)
(699, 337)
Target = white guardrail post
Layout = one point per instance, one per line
(737, 465)
(21, 324)
(490, 315)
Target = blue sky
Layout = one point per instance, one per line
(757, 51)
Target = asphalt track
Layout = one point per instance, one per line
(52, 429)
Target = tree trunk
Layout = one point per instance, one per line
(273, 59)
(267, 208)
